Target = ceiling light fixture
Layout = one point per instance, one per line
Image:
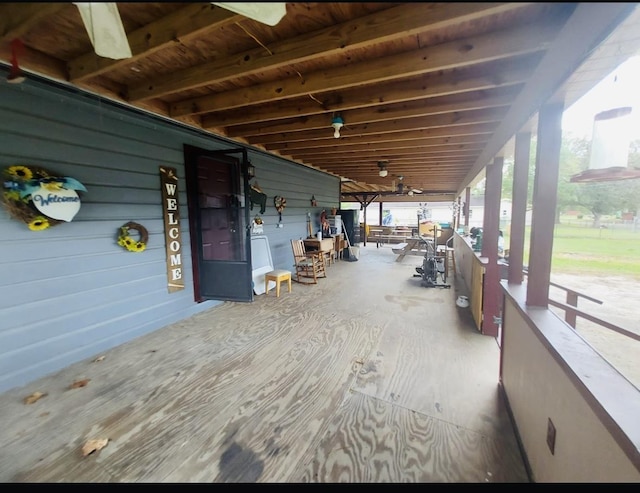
(251, 170)
(337, 123)
(383, 168)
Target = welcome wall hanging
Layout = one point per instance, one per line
(39, 198)
(172, 236)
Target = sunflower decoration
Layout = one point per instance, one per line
(130, 243)
(33, 194)
(39, 223)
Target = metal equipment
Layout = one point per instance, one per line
(432, 266)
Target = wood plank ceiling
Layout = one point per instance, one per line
(421, 87)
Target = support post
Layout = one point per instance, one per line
(519, 206)
(545, 198)
(491, 300)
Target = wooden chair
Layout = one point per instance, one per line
(330, 256)
(338, 243)
(308, 265)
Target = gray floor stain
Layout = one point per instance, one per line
(369, 367)
(407, 302)
(238, 465)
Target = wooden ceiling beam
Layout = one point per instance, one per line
(436, 84)
(375, 158)
(177, 27)
(384, 26)
(458, 130)
(349, 195)
(399, 167)
(494, 46)
(420, 108)
(435, 144)
(17, 19)
(386, 155)
(379, 128)
(37, 62)
(430, 179)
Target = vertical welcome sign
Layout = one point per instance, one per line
(172, 236)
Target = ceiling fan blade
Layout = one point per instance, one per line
(269, 13)
(104, 27)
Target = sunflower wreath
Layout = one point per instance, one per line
(280, 203)
(126, 241)
(20, 182)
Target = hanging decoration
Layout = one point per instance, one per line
(129, 243)
(280, 203)
(257, 225)
(38, 198)
(172, 230)
(309, 231)
(256, 196)
(15, 74)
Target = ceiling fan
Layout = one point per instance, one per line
(109, 39)
(401, 188)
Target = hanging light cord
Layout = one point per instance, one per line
(271, 53)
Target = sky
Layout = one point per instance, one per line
(620, 88)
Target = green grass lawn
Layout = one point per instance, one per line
(614, 250)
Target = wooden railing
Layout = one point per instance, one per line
(572, 312)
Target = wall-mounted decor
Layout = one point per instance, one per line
(130, 243)
(172, 236)
(38, 198)
(314, 202)
(257, 197)
(257, 226)
(280, 203)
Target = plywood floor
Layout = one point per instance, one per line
(364, 377)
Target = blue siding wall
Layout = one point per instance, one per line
(70, 292)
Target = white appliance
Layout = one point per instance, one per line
(335, 222)
(261, 263)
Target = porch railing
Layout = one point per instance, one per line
(571, 311)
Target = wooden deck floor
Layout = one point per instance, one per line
(365, 377)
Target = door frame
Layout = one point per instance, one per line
(191, 153)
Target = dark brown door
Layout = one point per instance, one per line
(218, 219)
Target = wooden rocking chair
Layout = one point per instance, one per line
(308, 265)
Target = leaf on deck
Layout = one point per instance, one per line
(94, 445)
(34, 397)
(80, 383)
(99, 359)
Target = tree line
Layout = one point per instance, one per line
(594, 198)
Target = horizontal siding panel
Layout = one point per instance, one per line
(42, 269)
(25, 368)
(51, 289)
(101, 242)
(38, 151)
(141, 295)
(93, 139)
(76, 318)
(20, 237)
(92, 116)
(102, 194)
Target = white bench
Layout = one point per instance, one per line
(399, 247)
